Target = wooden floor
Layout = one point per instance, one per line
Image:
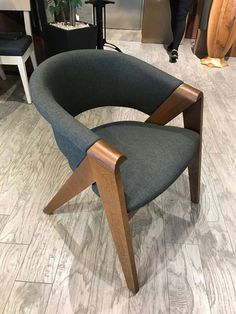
(66, 263)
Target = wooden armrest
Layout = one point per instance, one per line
(179, 101)
(107, 156)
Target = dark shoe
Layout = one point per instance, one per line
(173, 55)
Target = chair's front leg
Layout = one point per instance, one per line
(193, 120)
(111, 192)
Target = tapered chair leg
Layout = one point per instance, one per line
(77, 182)
(194, 171)
(193, 120)
(112, 196)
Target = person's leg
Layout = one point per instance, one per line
(173, 10)
(182, 8)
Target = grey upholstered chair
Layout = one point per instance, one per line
(128, 163)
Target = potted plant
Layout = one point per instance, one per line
(65, 32)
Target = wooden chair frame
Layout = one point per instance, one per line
(101, 165)
(20, 5)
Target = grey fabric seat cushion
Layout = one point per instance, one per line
(15, 47)
(157, 155)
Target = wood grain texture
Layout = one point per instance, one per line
(72, 288)
(15, 131)
(35, 184)
(105, 162)
(186, 284)
(221, 32)
(30, 298)
(149, 246)
(219, 266)
(11, 258)
(44, 251)
(3, 221)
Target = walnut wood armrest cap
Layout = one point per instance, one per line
(106, 155)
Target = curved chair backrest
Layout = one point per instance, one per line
(87, 79)
(72, 82)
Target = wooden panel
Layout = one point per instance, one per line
(15, 5)
(194, 19)
(221, 33)
(28, 297)
(156, 26)
(11, 257)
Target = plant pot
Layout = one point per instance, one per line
(59, 40)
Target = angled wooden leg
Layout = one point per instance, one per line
(194, 171)
(193, 120)
(78, 181)
(112, 196)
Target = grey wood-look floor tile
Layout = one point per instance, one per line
(11, 257)
(109, 293)
(149, 246)
(8, 87)
(14, 135)
(219, 265)
(211, 189)
(44, 251)
(3, 221)
(186, 284)
(73, 282)
(40, 170)
(227, 194)
(28, 298)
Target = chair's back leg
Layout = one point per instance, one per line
(193, 120)
(77, 182)
(112, 196)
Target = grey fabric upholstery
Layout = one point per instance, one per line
(156, 156)
(85, 79)
(72, 82)
(15, 47)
